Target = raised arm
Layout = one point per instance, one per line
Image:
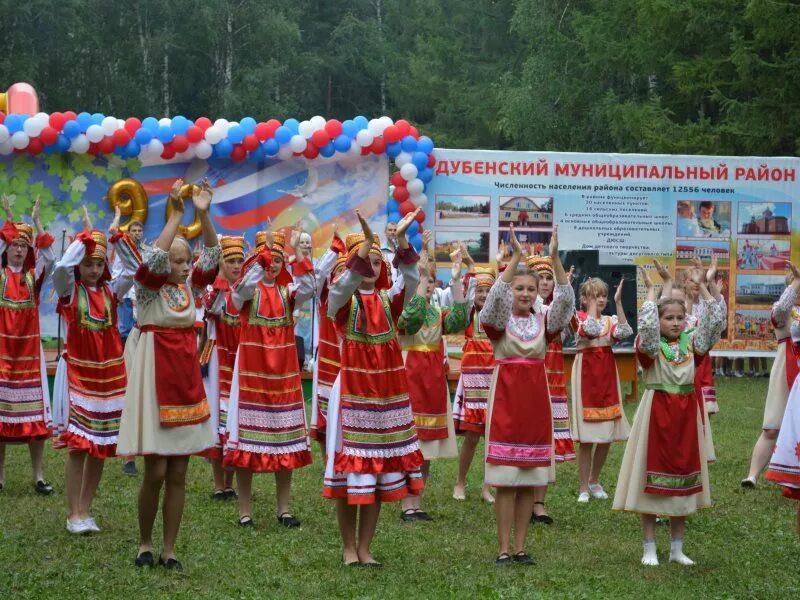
(622, 328)
(405, 261)
(709, 328)
(64, 271)
(412, 318)
(304, 286)
(563, 305)
(666, 278)
(649, 329)
(252, 272)
(205, 270)
(782, 309)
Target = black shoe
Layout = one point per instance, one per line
(421, 515)
(372, 565)
(43, 488)
(523, 559)
(246, 521)
(504, 560)
(145, 559)
(544, 519)
(748, 484)
(129, 468)
(408, 515)
(230, 493)
(287, 520)
(170, 564)
(219, 495)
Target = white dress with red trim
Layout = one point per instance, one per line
(784, 468)
(166, 412)
(24, 392)
(785, 318)
(664, 469)
(519, 431)
(597, 413)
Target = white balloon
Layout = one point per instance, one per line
(285, 153)
(214, 135)
(374, 127)
(306, 129)
(222, 125)
(385, 122)
(6, 147)
(365, 138)
(80, 143)
(415, 187)
(95, 133)
(419, 201)
(4, 135)
(109, 125)
(120, 123)
(42, 116)
(20, 140)
(318, 122)
(402, 159)
(32, 127)
(165, 122)
(232, 123)
(408, 172)
(155, 148)
(202, 149)
(297, 143)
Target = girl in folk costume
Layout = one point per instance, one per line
(372, 448)
(422, 327)
(267, 419)
(90, 380)
(563, 447)
(222, 322)
(477, 365)
(664, 470)
(519, 431)
(24, 393)
(597, 415)
(305, 326)
(166, 416)
(326, 365)
(785, 319)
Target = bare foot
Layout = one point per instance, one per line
(487, 495)
(459, 492)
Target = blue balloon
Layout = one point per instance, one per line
(342, 143)
(258, 154)
(132, 149)
(97, 118)
(419, 160)
(165, 134)
(393, 150)
(283, 134)
(392, 206)
(143, 136)
(271, 147)
(71, 128)
(62, 143)
(14, 123)
(416, 240)
(236, 134)
(84, 120)
(413, 229)
(119, 150)
(150, 123)
(180, 125)
(425, 175)
(409, 144)
(327, 150)
(224, 148)
(292, 125)
(349, 128)
(393, 217)
(425, 144)
(361, 121)
(248, 124)
(50, 149)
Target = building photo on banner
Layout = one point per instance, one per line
(630, 209)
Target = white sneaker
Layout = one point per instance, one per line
(597, 491)
(738, 374)
(77, 527)
(91, 524)
(583, 497)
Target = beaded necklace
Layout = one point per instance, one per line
(683, 348)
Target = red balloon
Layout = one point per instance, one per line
(239, 153)
(180, 143)
(194, 134)
(57, 121)
(2, 117)
(421, 218)
(169, 151)
(391, 134)
(320, 138)
(250, 142)
(70, 116)
(412, 131)
(406, 207)
(35, 146)
(311, 151)
(262, 132)
(397, 179)
(203, 123)
(272, 125)
(106, 145)
(403, 127)
(378, 146)
(400, 193)
(431, 160)
(121, 137)
(93, 149)
(333, 127)
(132, 125)
(366, 150)
(49, 135)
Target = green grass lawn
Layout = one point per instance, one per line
(745, 547)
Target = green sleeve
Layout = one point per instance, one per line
(413, 316)
(456, 318)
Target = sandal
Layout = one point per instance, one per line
(544, 519)
(230, 493)
(354, 563)
(170, 564)
(246, 521)
(43, 488)
(503, 560)
(421, 515)
(523, 559)
(218, 495)
(409, 515)
(372, 565)
(145, 559)
(287, 520)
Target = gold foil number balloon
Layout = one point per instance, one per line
(194, 229)
(131, 198)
